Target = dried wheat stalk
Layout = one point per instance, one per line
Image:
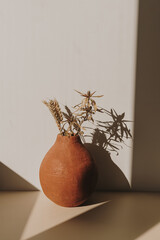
(55, 110)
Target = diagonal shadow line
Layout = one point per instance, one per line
(152, 233)
(44, 234)
(11, 181)
(54, 215)
(15, 209)
(127, 216)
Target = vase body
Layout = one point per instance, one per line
(68, 174)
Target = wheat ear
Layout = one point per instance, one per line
(55, 111)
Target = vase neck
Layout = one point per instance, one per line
(67, 139)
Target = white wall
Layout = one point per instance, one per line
(50, 47)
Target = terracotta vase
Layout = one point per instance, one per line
(68, 174)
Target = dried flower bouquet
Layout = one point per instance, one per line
(71, 123)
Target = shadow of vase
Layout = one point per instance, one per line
(110, 176)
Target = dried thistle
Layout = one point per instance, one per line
(87, 107)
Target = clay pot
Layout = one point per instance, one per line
(68, 174)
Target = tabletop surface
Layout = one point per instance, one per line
(106, 215)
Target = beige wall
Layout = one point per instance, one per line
(50, 47)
